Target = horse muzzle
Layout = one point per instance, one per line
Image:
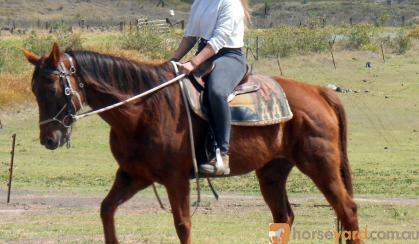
(54, 140)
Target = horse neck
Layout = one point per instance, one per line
(143, 113)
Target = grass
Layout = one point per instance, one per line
(383, 142)
(382, 139)
(217, 222)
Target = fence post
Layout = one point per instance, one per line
(9, 185)
(278, 61)
(331, 44)
(382, 52)
(257, 48)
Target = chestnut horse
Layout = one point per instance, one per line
(149, 137)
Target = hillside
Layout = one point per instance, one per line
(387, 12)
(266, 12)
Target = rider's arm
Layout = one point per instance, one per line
(187, 43)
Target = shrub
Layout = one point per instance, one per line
(402, 43)
(41, 44)
(414, 33)
(38, 44)
(360, 36)
(286, 40)
(11, 60)
(152, 42)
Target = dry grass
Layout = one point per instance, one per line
(15, 89)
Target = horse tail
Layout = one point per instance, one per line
(334, 101)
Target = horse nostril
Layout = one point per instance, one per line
(50, 142)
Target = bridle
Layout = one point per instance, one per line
(70, 108)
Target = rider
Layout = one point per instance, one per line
(219, 25)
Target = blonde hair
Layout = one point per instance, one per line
(247, 12)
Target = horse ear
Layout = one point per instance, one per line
(30, 56)
(54, 57)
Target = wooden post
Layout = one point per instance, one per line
(257, 48)
(278, 61)
(382, 52)
(9, 185)
(331, 44)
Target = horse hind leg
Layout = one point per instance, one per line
(272, 180)
(320, 160)
(124, 188)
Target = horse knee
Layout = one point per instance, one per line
(106, 209)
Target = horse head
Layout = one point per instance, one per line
(54, 84)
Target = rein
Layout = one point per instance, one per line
(146, 93)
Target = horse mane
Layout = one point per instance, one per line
(120, 77)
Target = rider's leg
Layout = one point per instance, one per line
(230, 68)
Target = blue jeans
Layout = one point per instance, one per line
(230, 67)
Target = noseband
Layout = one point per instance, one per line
(69, 92)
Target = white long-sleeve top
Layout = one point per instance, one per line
(221, 22)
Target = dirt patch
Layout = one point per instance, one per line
(33, 201)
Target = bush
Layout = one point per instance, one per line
(402, 43)
(287, 40)
(151, 42)
(360, 36)
(38, 44)
(11, 60)
(41, 44)
(414, 33)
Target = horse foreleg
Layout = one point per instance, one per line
(272, 179)
(124, 187)
(178, 192)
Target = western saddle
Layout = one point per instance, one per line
(246, 85)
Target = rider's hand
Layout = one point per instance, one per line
(188, 68)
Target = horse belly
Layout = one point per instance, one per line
(253, 147)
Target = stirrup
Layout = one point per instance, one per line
(216, 166)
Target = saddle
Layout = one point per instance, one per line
(256, 101)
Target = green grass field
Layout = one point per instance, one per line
(237, 219)
(383, 151)
(383, 131)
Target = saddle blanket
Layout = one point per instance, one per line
(266, 106)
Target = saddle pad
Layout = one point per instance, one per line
(267, 106)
